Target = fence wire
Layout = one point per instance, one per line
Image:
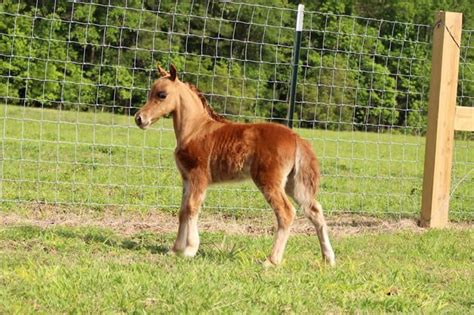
(462, 186)
(73, 73)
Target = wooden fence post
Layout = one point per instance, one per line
(441, 117)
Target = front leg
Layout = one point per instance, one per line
(187, 241)
(180, 243)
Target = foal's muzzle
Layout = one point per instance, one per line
(141, 121)
(138, 120)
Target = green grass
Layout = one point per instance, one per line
(93, 270)
(100, 160)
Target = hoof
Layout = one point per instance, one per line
(189, 252)
(331, 262)
(172, 252)
(268, 264)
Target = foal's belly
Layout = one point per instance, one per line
(223, 170)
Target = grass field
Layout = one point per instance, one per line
(94, 270)
(100, 160)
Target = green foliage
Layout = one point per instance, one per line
(356, 73)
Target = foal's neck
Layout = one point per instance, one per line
(190, 119)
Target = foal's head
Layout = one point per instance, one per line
(162, 98)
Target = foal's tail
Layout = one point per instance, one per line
(306, 173)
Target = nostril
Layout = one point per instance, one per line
(138, 120)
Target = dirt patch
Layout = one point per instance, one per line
(128, 223)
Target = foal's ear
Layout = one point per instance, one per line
(162, 71)
(173, 73)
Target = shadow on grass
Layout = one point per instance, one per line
(108, 239)
(148, 242)
(212, 248)
(217, 253)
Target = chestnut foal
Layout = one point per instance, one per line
(211, 149)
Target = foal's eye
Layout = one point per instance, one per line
(162, 95)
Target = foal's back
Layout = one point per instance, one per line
(239, 151)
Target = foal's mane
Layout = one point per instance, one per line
(205, 104)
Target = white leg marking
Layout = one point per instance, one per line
(192, 242)
(180, 243)
(322, 231)
(281, 238)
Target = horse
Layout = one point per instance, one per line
(211, 149)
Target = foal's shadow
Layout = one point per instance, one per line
(207, 250)
(159, 249)
(136, 242)
(158, 244)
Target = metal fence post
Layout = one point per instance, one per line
(295, 62)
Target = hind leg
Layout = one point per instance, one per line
(314, 212)
(180, 243)
(285, 214)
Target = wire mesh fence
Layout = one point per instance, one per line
(73, 73)
(462, 187)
